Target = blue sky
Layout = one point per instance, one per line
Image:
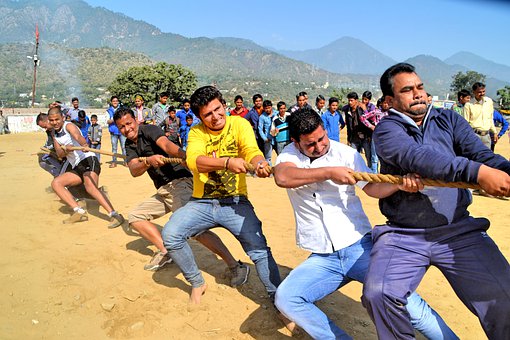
(398, 28)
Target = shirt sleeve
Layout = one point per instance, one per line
(130, 151)
(196, 147)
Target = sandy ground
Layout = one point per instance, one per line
(86, 281)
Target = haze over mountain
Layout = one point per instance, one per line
(482, 65)
(345, 55)
(236, 65)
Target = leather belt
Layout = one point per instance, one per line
(481, 132)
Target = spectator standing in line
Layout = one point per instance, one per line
(95, 133)
(480, 115)
(253, 117)
(72, 112)
(184, 112)
(115, 135)
(333, 120)
(171, 126)
(280, 128)
(160, 109)
(463, 97)
(143, 114)
(358, 135)
(320, 103)
(264, 129)
(240, 109)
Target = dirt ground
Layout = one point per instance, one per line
(85, 281)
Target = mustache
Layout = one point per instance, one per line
(418, 102)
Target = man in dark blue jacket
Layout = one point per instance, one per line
(433, 226)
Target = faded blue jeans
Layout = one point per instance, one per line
(235, 214)
(115, 139)
(323, 274)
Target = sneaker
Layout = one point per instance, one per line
(158, 261)
(239, 274)
(116, 220)
(76, 217)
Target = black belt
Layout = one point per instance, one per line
(481, 132)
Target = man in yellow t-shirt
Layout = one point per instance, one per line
(218, 152)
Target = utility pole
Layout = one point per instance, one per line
(36, 62)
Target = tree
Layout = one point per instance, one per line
(504, 97)
(341, 94)
(150, 80)
(465, 81)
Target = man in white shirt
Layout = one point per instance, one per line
(331, 224)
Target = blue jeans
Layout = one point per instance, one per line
(235, 214)
(369, 149)
(322, 274)
(268, 151)
(374, 159)
(279, 147)
(115, 139)
(97, 147)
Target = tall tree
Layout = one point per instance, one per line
(465, 81)
(504, 97)
(150, 80)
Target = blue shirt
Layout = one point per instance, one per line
(445, 148)
(182, 117)
(498, 118)
(332, 124)
(253, 117)
(264, 127)
(112, 128)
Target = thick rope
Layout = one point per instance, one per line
(364, 176)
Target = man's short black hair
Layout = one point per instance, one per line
(267, 103)
(333, 100)
(478, 85)
(237, 98)
(171, 108)
(81, 114)
(463, 93)
(40, 117)
(164, 94)
(319, 98)
(352, 95)
(386, 81)
(367, 94)
(280, 104)
(203, 96)
(121, 112)
(74, 99)
(256, 96)
(303, 121)
(186, 100)
(301, 94)
(93, 117)
(114, 97)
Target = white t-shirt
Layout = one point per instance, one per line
(64, 138)
(328, 216)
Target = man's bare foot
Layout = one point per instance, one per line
(290, 325)
(196, 294)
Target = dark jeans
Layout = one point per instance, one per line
(468, 258)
